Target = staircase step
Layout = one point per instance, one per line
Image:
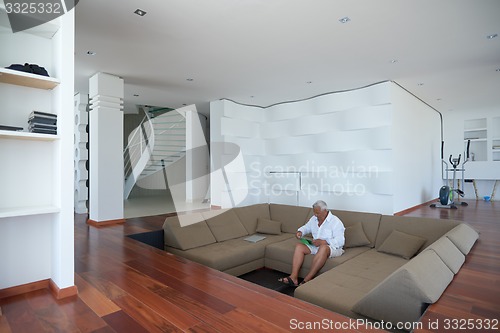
(158, 121)
(172, 146)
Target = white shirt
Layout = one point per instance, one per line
(331, 230)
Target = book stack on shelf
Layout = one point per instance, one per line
(42, 122)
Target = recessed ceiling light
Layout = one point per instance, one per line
(393, 61)
(492, 36)
(91, 53)
(190, 79)
(344, 20)
(140, 12)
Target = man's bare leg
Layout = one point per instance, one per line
(318, 261)
(298, 259)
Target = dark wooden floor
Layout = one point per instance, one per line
(127, 286)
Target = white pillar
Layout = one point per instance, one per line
(197, 157)
(106, 149)
(81, 153)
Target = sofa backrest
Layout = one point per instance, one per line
(427, 228)
(249, 215)
(403, 295)
(224, 224)
(186, 237)
(291, 217)
(369, 221)
(463, 236)
(448, 252)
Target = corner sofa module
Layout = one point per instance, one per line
(381, 284)
(340, 288)
(217, 238)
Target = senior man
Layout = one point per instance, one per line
(328, 239)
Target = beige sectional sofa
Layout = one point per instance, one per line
(392, 268)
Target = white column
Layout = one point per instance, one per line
(81, 153)
(106, 149)
(197, 159)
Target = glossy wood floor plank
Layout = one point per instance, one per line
(123, 323)
(99, 303)
(128, 286)
(167, 310)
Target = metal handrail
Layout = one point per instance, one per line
(135, 146)
(144, 137)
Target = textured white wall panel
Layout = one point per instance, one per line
(239, 128)
(243, 112)
(248, 146)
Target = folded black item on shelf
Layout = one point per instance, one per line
(29, 68)
(42, 126)
(10, 128)
(42, 114)
(42, 120)
(43, 131)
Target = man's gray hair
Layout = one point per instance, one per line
(321, 204)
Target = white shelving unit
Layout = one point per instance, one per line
(27, 136)
(476, 131)
(36, 173)
(26, 211)
(27, 79)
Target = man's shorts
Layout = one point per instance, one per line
(334, 252)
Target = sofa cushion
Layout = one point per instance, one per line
(428, 228)
(401, 244)
(355, 236)
(350, 281)
(225, 225)
(370, 222)
(379, 265)
(463, 236)
(231, 253)
(402, 296)
(282, 253)
(267, 226)
(448, 253)
(291, 217)
(187, 237)
(248, 216)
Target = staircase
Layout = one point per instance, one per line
(155, 144)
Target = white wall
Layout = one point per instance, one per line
(344, 148)
(235, 152)
(26, 244)
(63, 229)
(484, 172)
(416, 136)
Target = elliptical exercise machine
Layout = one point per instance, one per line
(447, 194)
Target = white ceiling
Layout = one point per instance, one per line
(263, 52)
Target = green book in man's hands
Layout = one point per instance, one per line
(306, 241)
